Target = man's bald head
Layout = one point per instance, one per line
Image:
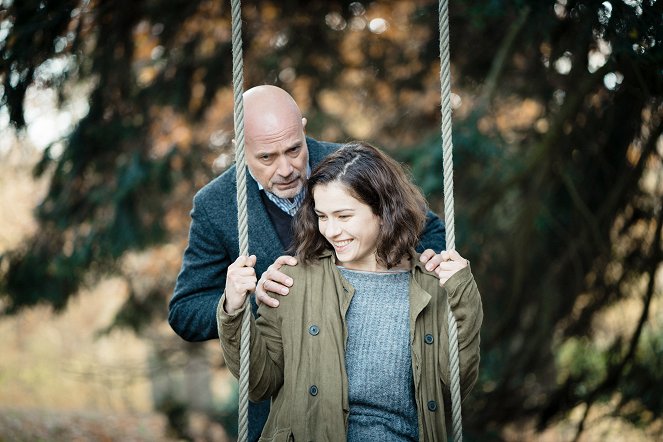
(275, 142)
(268, 104)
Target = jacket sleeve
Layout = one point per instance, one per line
(434, 234)
(465, 302)
(201, 280)
(266, 350)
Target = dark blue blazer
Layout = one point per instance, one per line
(214, 245)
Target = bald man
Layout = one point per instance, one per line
(279, 158)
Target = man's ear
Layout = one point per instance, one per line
(234, 143)
(304, 121)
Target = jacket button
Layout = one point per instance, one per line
(432, 405)
(429, 338)
(313, 390)
(314, 330)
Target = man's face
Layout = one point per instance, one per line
(278, 157)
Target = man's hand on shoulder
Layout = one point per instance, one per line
(273, 281)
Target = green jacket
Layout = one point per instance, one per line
(298, 351)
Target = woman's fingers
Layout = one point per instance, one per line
(451, 263)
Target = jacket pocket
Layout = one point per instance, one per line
(280, 435)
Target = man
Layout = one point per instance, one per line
(279, 158)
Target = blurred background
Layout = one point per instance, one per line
(114, 113)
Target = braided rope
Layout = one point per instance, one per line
(242, 211)
(447, 147)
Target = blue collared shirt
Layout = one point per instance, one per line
(288, 205)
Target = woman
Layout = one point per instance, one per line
(359, 349)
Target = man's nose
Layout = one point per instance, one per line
(284, 167)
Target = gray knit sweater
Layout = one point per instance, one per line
(378, 358)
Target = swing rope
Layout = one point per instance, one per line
(242, 211)
(447, 148)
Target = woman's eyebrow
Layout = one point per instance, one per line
(334, 212)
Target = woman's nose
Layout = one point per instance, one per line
(331, 229)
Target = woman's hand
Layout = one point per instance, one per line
(240, 281)
(450, 263)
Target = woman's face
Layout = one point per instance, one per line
(349, 225)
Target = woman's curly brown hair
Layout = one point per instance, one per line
(376, 180)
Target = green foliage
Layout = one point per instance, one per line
(36, 28)
(641, 402)
(550, 150)
(177, 414)
(579, 358)
(478, 161)
(228, 412)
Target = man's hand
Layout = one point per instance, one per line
(240, 281)
(273, 281)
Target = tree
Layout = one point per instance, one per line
(557, 136)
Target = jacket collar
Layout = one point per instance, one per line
(419, 298)
(315, 152)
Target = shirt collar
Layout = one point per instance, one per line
(289, 206)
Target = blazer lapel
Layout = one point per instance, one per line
(263, 239)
